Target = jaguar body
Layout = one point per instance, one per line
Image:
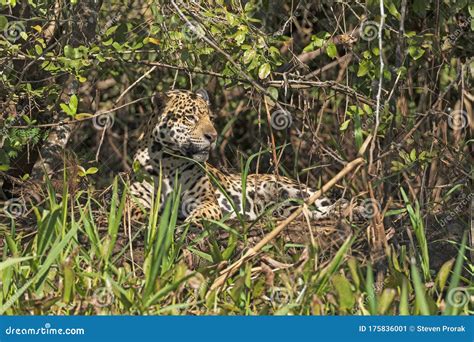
(175, 146)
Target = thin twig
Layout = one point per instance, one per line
(135, 83)
(379, 91)
(70, 122)
(302, 84)
(339, 61)
(272, 137)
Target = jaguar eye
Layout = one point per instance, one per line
(190, 119)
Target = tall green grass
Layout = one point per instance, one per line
(73, 264)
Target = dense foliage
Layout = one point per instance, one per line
(299, 88)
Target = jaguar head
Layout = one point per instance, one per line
(182, 125)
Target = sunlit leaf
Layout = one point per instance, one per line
(264, 71)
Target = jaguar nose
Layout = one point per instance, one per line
(211, 136)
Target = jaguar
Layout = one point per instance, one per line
(173, 150)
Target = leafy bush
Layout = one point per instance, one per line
(299, 89)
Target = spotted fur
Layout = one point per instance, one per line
(175, 146)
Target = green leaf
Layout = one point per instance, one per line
(81, 171)
(117, 46)
(415, 52)
(82, 116)
(69, 51)
(13, 261)
(111, 30)
(231, 19)
(443, 274)
(470, 8)
(273, 92)
(318, 42)
(38, 49)
(456, 276)
(249, 55)
(92, 170)
(274, 52)
(404, 306)
(344, 125)
(66, 109)
(335, 264)
(413, 155)
(264, 71)
(353, 267)
(420, 295)
(344, 292)
(392, 9)
(331, 50)
(108, 42)
(358, 134)
(3, 22)
(73, 104)
(68, 286)
(385, 300)
(370, 290)
(363, 68)
(240, 37)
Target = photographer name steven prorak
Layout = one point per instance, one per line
(411, 328)
(443, 328)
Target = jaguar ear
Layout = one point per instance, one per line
(203, 93)
(158, 100)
